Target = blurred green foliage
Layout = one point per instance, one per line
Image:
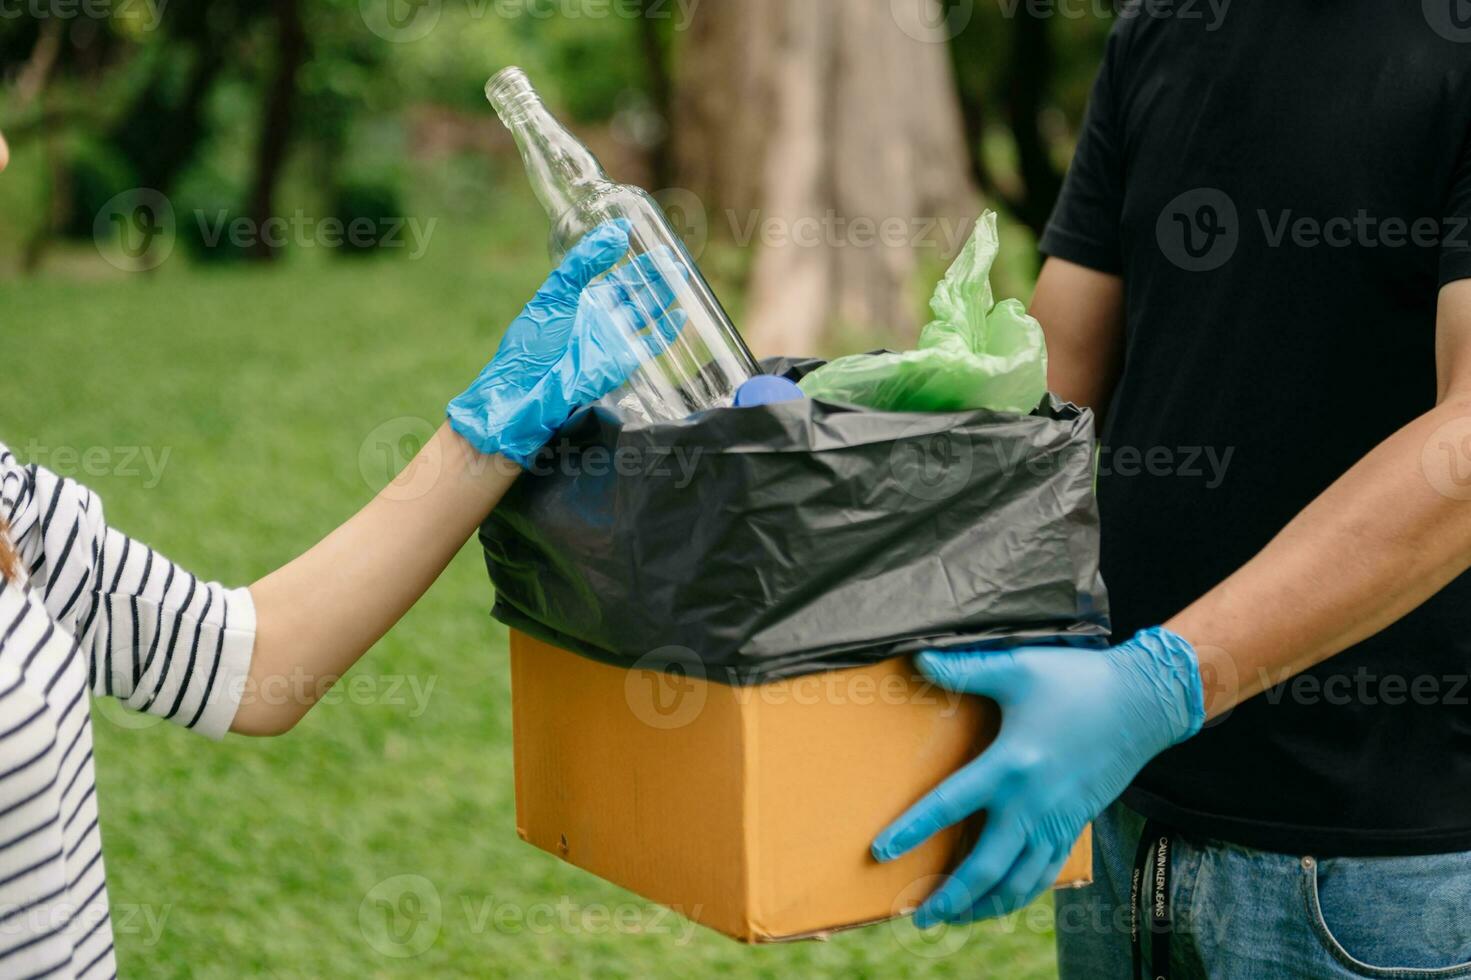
(174, 96)
(175, 102)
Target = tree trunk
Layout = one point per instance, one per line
(828, 134)
(655, 48)
(31, 85)
(1021, 94)
(162, 129)
(275, 136)
(1030, 71)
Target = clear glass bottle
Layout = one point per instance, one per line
(708, 361)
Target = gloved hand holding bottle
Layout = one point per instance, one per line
(570, 345)
(1076, 726)
(709, 361)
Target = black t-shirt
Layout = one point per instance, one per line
(1283, 190)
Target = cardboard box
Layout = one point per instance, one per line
(747, 809)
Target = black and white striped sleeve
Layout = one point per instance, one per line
(157, 638)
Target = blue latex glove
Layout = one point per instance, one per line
(1076, 726)
(571, 345)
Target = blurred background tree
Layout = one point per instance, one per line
(826, 122)
(803, 131)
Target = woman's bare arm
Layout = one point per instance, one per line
(318, 614)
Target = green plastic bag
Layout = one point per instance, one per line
(976, 353)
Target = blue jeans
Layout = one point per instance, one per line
(1236, 912)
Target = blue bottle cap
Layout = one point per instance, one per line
(766, 389)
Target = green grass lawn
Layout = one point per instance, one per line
(273, 393)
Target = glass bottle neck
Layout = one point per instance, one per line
(560, 168)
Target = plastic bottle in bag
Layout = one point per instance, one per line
(708, 360)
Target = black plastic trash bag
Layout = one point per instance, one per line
(745, 545)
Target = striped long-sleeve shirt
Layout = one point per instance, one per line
(95, 610)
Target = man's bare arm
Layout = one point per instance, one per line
(1082, 315)
(1381, 540)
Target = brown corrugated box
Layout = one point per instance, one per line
(747, 809)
